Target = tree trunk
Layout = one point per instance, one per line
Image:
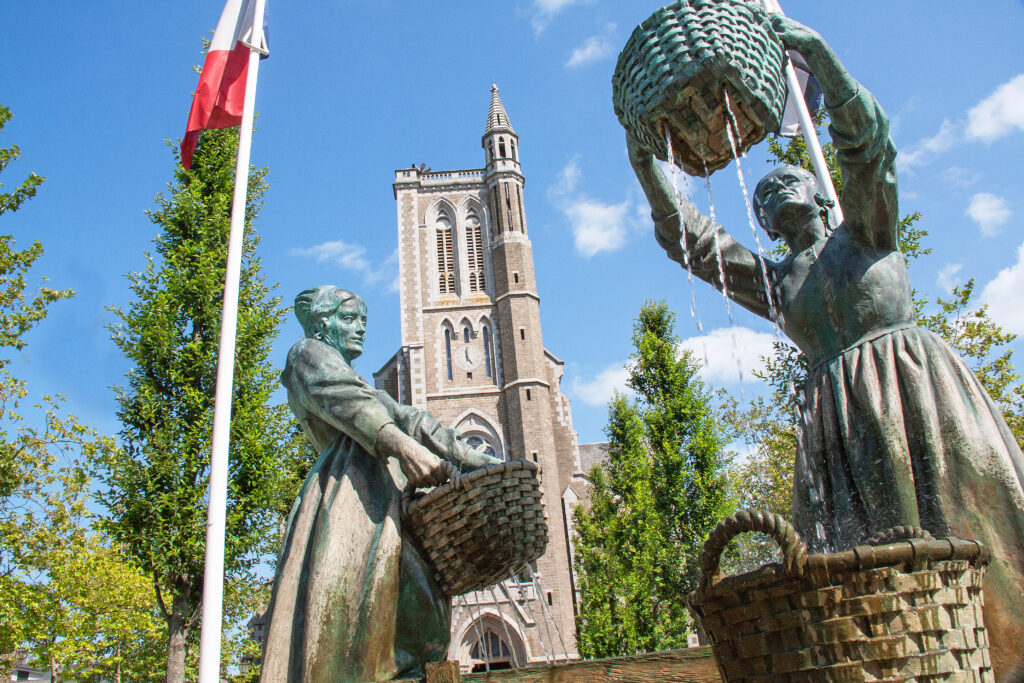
(177, 634)
(117, 669)
(53, 661)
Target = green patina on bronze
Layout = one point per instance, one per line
(676, 69)
(897, 430)
(354, 600)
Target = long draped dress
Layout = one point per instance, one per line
(353, 598)
(897, 430)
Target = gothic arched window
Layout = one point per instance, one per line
(448, 350)
(445, 254)
(482, 444)
(501, 148)
(488, 351)
(475, 251)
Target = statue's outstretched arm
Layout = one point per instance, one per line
(446, 443)
(860, 133)
(319, 380)
(710, 252)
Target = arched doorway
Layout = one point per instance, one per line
(494, 651)
(491, 642)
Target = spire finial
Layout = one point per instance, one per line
(497, 118)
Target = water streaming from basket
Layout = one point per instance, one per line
(725, 285)
(540, 632)
(547, 612)
(776, 315)
(674, 171)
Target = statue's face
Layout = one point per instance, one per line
(346, 329)
(785, 194)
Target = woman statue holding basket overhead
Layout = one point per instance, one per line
(353, 598)
(896, 429)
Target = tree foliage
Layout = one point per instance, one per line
(68, 600)
(156, 487)
(653, 503)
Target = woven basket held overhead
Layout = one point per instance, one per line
(675, 72)
(907, 610)
(476, 532)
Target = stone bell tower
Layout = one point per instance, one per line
(473, 355)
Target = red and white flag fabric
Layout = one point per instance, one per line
(221, 90)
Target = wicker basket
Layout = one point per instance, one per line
(676, 68)
(474, 532)
(908, 610)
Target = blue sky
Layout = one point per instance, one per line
(355, 89)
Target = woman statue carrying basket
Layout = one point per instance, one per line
(354, 599)
(896, 429)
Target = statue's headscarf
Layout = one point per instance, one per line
(313, 306)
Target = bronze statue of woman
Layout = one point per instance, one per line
(353, 598)
(896, 428)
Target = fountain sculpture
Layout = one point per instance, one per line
(366, 573)
(896, 430)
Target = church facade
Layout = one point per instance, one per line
(472, 354)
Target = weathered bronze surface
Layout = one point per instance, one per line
(353, 598)
(896, 428)
(671, 74)
(906, 610)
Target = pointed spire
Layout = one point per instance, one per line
(496, 116)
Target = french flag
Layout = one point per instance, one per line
(221, 90)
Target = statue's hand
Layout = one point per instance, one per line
(794, 35)
(423, 468)
(420, 466)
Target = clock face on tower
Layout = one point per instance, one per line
(467, 357)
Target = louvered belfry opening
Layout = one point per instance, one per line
(475, 252)
(445, 255)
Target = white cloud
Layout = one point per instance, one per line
(352, 258)
(989, 211)
(728, 350)
(731, 352)
(959, 176)
(597, 226)
(593, 49)
(947, 277)
(599, 390)
(922, 152)
(1003, 296)
(348, 256)
(568, 178)
(999, 113)
(546, 10)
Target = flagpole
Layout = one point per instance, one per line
(213, 574)
(808, 128)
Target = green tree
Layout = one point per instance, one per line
(653, 503)
(20, 311)
(66, 596)
(156, 487)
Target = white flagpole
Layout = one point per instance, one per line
(213, 574)
(808, 129)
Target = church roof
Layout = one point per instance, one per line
(497, 119)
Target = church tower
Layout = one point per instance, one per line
(473, 355)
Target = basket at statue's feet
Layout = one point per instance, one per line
(676, 70)
(474, 533)
(907, 608)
